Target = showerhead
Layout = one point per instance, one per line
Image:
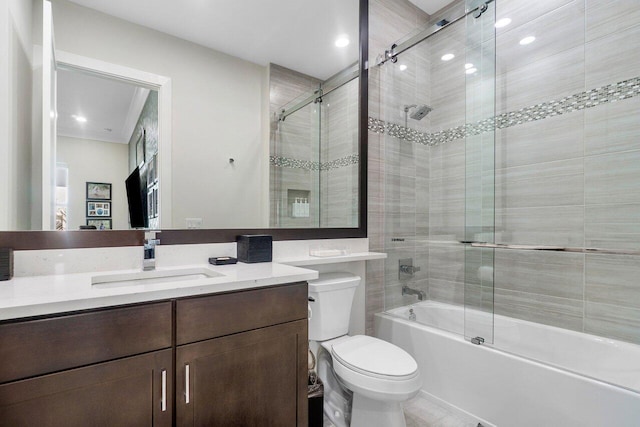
(420, 112)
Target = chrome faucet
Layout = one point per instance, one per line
(150, 242)
(409, 269)
(422, 295)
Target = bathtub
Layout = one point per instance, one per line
(531, 376)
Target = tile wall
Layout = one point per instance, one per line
(567, 161)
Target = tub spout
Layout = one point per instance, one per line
(422, 295)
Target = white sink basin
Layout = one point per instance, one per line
(153, 277)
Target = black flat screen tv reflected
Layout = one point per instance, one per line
(137, 200)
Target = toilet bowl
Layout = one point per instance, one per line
(370, 374)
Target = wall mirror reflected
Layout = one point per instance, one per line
(259, 128)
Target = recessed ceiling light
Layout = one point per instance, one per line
(502, 22)
(527, 40)
(471, 70)
(448, 56)
(79, 118)
(403, 67)
(468, 65)
(342, 41)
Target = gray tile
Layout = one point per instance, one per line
(551, 77)
(613, 279)
(423, 412)
(447, 161)
(400, 224)
(446, 262)
(561, 312)
(612, 178)
(560, 226)
(559, 183)
(557, 31)
(399, 158)
(546, 273)
(604, 17)
(400, 194)
(446, 291)
(613, 58)
(447, 194)
(523, 12)
(613, 127)
(612, 321)
(613, 226)
(555, 138)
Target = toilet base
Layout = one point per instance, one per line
(375, 413)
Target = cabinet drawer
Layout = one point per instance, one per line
(218, 315)
(38, 347)
(134, 391)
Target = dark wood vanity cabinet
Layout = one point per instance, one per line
(231, 359)
(248, 379)
(241, 358)
(124, 392)
(110, 367)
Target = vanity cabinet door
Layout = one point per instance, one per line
(135, 391)
(255, 378)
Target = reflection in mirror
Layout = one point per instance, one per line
(263, 105)
(314, 150)
(105, 129)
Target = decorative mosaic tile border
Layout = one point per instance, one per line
(285, 162)
(577, 102)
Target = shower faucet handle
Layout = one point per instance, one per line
(409, 269)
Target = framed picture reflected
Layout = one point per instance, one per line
(98, 191)
(98, 209)
(100, 224)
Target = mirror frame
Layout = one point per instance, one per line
(34, 240)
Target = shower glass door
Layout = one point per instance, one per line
(479, 133)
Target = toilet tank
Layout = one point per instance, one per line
(331, 296)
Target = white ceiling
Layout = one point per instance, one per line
(431, 6)
(297, 34)
(105, 103)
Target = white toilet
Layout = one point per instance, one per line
(379, 374)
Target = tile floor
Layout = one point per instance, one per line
(420, 412)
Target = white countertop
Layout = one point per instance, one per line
(40, 295)
(319, 260)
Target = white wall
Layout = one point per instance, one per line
(15, 113)
(217, 114)
(94, 161)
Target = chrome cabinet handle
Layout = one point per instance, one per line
(186, 383)
(163, 402)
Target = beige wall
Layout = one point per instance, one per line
(217, 114)
(94, 161)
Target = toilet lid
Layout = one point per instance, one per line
(375, 356)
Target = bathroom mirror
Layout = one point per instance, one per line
(266, 126)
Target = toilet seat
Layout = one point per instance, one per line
(366, 365)
(375, 357)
